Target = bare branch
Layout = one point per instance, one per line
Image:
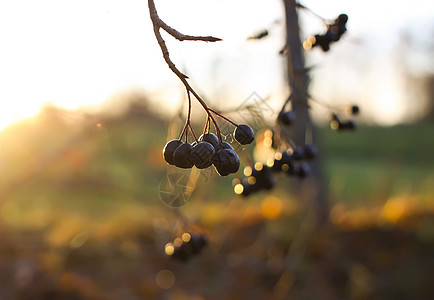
(157, 24)
(184, 37)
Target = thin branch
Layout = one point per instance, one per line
(223, 117)
(299, 5)
(157, 24)
(184, 37)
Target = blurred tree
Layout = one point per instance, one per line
(298, 81)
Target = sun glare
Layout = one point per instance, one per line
(80, 53)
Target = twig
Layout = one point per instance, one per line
(160, 24)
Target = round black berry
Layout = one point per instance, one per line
(264, 177)
(342, 19)
(210, 138)
(202, 154)
(287, 117)
(169, 149)
(350, 124)
(293, 168)
(244, 134)
(249, 188)
(226, 161)
(303, 170)
(310, 151)
(223, 145)
(280, 159)
(197, 242)
(182, 156)
(355, 110)
(298, 153)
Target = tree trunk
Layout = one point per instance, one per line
(312, 189)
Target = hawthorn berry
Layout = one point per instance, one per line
(280, 159)
(286, 118)
(292, 169)
(169, 149)
(223, 145)
(355, 110)
(264, 177)
(226, 161)
(350, 124)
(310, 151)
(244, 134)
(197, 242)
(342, 19)
(202, 154)
(210, 138)
(182, 156)
(298, 153)
(248, 188)
(304, 169)
(322, 41)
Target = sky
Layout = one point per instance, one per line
(81, 53)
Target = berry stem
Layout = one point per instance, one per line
(192, 132)
(298, 5)
(183, 131)
(206, 128)
(223, 117)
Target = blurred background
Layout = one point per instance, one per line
(87, 103)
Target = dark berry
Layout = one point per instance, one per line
(310, 151)
(332, 33)
(280, 159)
(202, 154)
(293, 168)
(350, 124)
(264, 177)
(298, 153)
(355, 110)
(210, 138)
(223, 145)
(169, 149)
(226, 161)
(182, 156)
(322, 41)
(197, 242)
(303, 170)
(249, 188)
(342, 19)
(244, 134)
(287, 117)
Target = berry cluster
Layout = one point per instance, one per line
(337, 124)
(186, 246)
(203, 152)
(260, 177)
(334, 32)
(208, 150)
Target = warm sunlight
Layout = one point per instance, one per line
(80, 53)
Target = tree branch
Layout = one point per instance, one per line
(160, 24)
